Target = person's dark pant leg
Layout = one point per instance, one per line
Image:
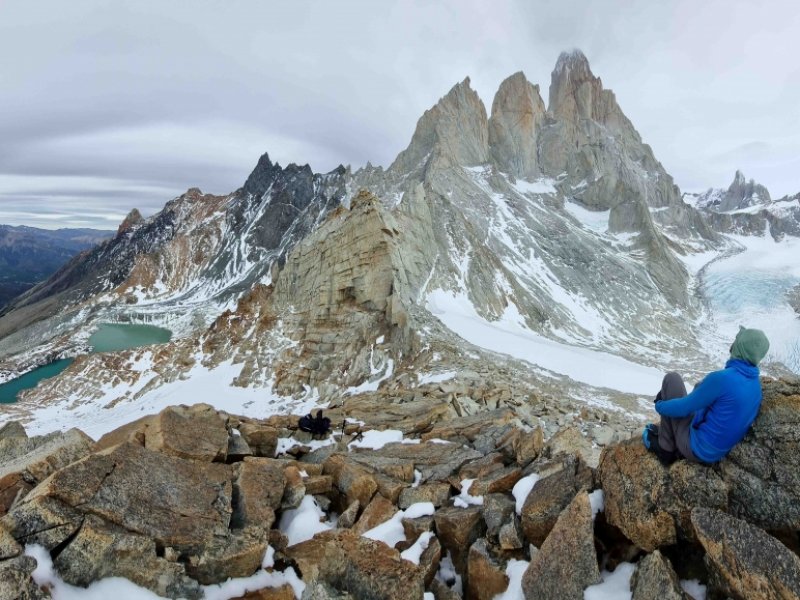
(675, 433)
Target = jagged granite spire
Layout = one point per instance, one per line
(261, 176)
(517, 115)
(743, 193)
(456, 128)
(133, 219)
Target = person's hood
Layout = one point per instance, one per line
(750, 345)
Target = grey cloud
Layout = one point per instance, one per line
(175, 94)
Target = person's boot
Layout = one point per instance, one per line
(650, 439)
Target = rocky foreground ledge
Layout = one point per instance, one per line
(453, 507)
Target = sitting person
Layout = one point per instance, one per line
(705, 425)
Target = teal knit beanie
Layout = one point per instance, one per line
(750, 345)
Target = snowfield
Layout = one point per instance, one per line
(510, 336)
(212, 386)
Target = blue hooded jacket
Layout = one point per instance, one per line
(724, 405)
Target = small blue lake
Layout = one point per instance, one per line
(109, 337)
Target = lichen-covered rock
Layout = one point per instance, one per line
(510, 536)
(177, 502)
(566, 564)
(257, 490)
(633, 481)
(9, 547)
(101, 550)
(551, 495)
(746, 562)
(238, 554)
(377, 511)
(24, 461)
(487, 577)
(348, 517)
(195, 432)
(42, 520)
(354, 481)
(430, 559)
(16, 582)
(438, 493)
(758, 482)
(763, 472)
(440, 591)
(457, 529)
(363, 567)
(318, 590)
(497, 508)
(655, 579)
(294, 488)
(238, 448)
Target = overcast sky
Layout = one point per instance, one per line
(106, 106)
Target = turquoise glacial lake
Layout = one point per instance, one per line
(109, 337)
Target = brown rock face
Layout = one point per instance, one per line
(238, 554)
(377, 511)
(566, 564)
(745, 561)
(352, 480)
(24, 461)
(498, 481)
(258, 490)
(763, 472)
(196, 433)
(285, 592)
(487, 576)
(517, 114)
(101, 550)
(456, 128)
(363, 567)
(133, 219)
(528, 445)
(457, 529)
(655, 579)
(438, 493)
(633, 481)
(177, 502)
(550, 496)
(16, 582)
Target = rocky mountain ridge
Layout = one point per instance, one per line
(29, 255)
(439, 505)
(555, 224)
(747, 208)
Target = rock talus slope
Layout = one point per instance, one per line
(190, 497)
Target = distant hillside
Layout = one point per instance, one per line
(29, 255)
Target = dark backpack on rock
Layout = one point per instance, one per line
(318, 425)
